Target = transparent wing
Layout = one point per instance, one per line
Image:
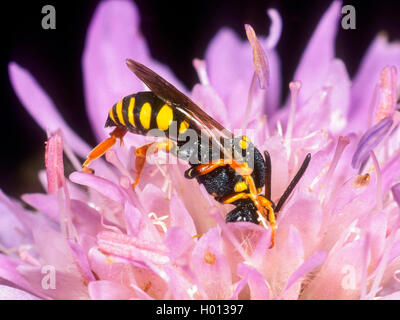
(171, 95)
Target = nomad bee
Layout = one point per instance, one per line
(231, 168)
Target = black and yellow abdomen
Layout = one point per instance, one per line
(144, 111)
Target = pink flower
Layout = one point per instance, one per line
(93, 236)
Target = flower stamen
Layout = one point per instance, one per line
(362, 180)
(371, 138)
(200, 66)
(260, 60)
(379, 191)
(159, 221)
(341, 145)
(387, 85)
(294, 87)
(249, 102)
(209, 258)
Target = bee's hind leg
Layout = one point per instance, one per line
(102, 147)
(141, 154)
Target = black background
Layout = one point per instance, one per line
(179, 31)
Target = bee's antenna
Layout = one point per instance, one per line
(268, 172)
(293, 183)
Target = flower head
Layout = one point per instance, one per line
(93, 236)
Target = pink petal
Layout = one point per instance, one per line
(76, 192)
(319, 53)
(383, 262)
(229, 65)
(306, 216)
(154, 200)
(107, 268)
(179, 244)
(68, 286)
(139, 225)
(27, 220)
(81, 261)
(140, 293)
(274, 30)
(45, 203)
(149, 283)
(261, 247)
(272, 93)
(230, 69)
(86, 219)
(194, 200)
(58, 254)
(340, 276)
(376, 228)
(237, 236)
(256, 282)
(112, 37)
(390, 171)
(12, 233)
(10, 293)
(311, 263)
(395, 252)
(144, 281)
(292, 253)
(103, 186)
(109, 290)
(239, 286)
(392, 296)
(380, 54)
(131, 248)
(290, 250)
(41, 108)
(180, 217)
(211, 267)
(179, 285)
(122, 241)
(9, 272)
(208, 99)
(329, 101)
(280, 165)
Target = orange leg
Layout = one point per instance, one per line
(265, 203)
(102, 147)
(205, 168)
(235, 197)
(141, 154)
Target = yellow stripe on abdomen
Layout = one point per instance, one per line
(131, 116)
(111, 114)
(145, 115)
(164, 117)
(120, 116)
